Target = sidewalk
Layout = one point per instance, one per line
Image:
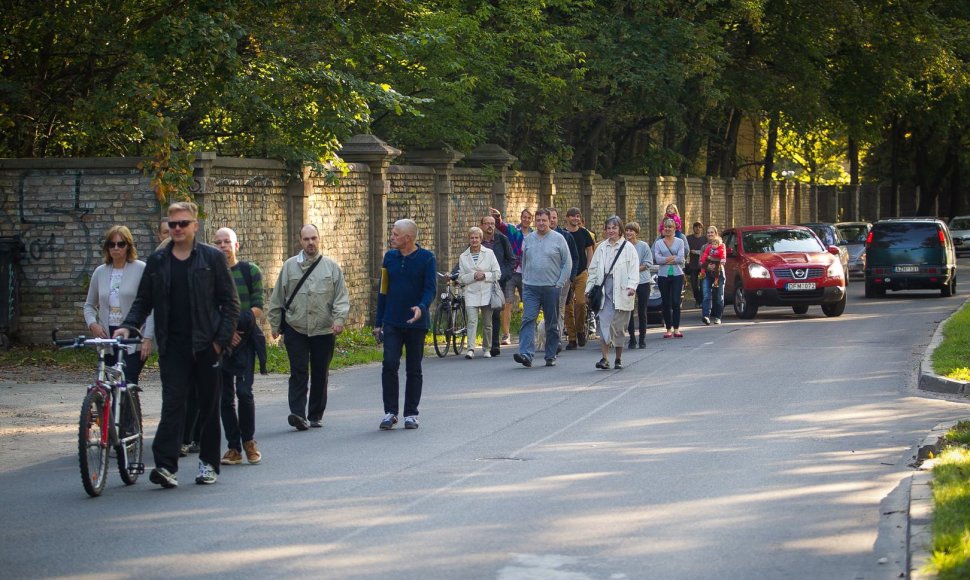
(920, 533)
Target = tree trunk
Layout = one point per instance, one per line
(853, 161)
(769, 164)
(729, 151)
(894, 167)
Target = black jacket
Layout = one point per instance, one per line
(212, 294)
(502, 248)
(573, 251)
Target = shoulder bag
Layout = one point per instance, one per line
(594, 300)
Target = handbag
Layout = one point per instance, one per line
(497, 299)
(594, 300)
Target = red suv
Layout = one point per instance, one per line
(781, 266)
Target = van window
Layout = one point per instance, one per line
(854, 233)
(960, 224)
(905, 235)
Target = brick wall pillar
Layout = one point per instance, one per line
(499, 161)
(586, 194)
(298, 192)
(201, 186)
(377, 155)
(707, 191)
(443, 161)
(681, 199)
(852, 213)
(653, 210)
(728, 204)
(621, 199)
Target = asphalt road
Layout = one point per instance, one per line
(766, 449)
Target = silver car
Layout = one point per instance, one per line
(960, 231)
(855, 234)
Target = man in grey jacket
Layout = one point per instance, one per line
(546, 268)
(315, 316)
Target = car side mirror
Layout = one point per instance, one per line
(833, 250)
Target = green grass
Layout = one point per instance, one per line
(951, 507)
(951, 358)
(354, 346)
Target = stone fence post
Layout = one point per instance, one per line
(442, 160)
(377, 155)
(201, 185)
(498, 160)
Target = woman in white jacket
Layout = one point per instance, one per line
(619, 289)
(114, 285)
(478, 271)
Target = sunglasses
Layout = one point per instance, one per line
(121, 244)
(180, 224)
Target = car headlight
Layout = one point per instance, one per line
(835, 269)
(758, 271)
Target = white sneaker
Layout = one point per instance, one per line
(486, 354)
(470, 354)
(207, 474)
(717, 321)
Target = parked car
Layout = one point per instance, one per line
(655, 302)
(910, 254)
(782, 265)
(960, 232)
(831, 236)
(855, 234)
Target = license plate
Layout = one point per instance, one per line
(906, 269)
(800, 286)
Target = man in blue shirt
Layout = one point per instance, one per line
(407, 288)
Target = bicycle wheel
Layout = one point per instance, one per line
(459, 328)
(92, 445)
(130, 447)
(441, 332)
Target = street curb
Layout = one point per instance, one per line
(930, 381)
(920, 535)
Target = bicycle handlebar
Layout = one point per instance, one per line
(451, 277)
(79, 341)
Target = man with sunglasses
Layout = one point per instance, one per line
(188, 285)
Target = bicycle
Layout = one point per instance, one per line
(449, 326)
(110, 417)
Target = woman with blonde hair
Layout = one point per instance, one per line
(113, 287)
(478, 271)
(712, 277)
(670, 254)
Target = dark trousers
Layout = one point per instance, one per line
(310, 358)
(184, 372)
(411, 341)
(695, 286)
(671, 288)
(496, 329)
(133, 362)
(239, 426)
(643, 296)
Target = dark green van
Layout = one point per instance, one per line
(910, 254)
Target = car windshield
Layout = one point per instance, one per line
(854, 233)
(824, 234)
(905, 235)
(767, 241)
(960, 224)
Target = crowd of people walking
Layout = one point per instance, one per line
(201, 307)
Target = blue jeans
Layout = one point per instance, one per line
(411, 341)
(533, 298)
(671, 288)
(713, 304)
(240, 426)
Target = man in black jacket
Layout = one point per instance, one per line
(502, 247)
(190, 289)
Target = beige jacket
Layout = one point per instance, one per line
(322, 301)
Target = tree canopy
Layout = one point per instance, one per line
(655, 86)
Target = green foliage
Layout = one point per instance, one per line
(951, 511)
(951, 358)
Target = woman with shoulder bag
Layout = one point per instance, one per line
(478, 272)
(712, 277)
(616, 269)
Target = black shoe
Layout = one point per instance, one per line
(572, 345)
(316, 424)
(297, 421)
(581, 339)
(495, 351)
(617, 364)
(550, 362)
(522, 359)
(633, 343)
(603, 364)
(643, 341)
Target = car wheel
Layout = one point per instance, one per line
(834, 308)
(744, 306)
(800, 308)
(950, 289)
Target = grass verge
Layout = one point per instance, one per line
(354, 346)
(951, 359)
(951, 507)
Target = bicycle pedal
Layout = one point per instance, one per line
(136, 468)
